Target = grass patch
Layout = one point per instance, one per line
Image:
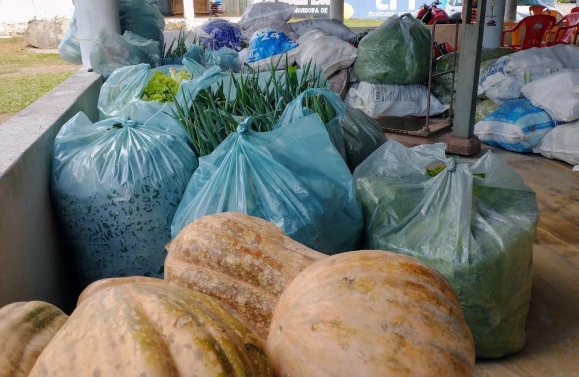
(359, 23)
(17, 92)
(363, 23)
(15, 53)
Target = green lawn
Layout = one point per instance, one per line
(26, 75)
(17, 92)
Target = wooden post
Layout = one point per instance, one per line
(468, 72)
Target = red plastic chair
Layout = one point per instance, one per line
(566, 30)
(574, 10)
(535, 28)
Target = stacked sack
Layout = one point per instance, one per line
(533, 93)
(392, 66)
(272, 41)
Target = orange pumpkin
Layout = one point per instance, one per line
(25, 329)
(155, 329)
(367, 314)
(244, 261)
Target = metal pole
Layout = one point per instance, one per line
(337, 9)
(468, 73)
(511, 10)
(494, 17)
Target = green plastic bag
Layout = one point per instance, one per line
(474, 223)
(397, 52)
(362, 136)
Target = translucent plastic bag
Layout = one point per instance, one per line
(121, 95)
(113, 51)
(296, 110)
(397, 52)
(225, 58)
(474, 223)
(116, 185)
(291, 176)
(69, 47)
(143, 18)
(362, 136)
(137, 16)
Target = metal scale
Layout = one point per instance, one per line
(455, 127)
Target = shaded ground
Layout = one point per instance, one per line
(26, 74)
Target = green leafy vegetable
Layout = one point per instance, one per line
(486, 258)
(163, 88)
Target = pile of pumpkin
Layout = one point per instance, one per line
(240, 298)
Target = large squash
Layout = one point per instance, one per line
(242, 260)
(25, 329)
(154, 329)
(368, 314)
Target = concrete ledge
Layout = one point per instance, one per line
(32, 259)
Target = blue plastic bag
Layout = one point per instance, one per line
(113, 51)
(516, 125)
(291, 176)
(267, 43)
(120, 96)
(296, 110)
(138, 16)
(116, 185)
(143, 18)
(219, 33)
(69, 46)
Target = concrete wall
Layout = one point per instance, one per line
(15, 14)
(33, 260)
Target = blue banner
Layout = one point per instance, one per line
(381, 9)
(361, 9)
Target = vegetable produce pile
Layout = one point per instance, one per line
(162, 87)
(219, 216)
(478, 232)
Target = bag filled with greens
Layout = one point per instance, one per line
(139, 91)
(116, 185)
(362, 136)
(474, 223)
(397, 52)
(291, 176)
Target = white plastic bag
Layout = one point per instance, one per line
(505, 78)
(275, 24)
(517, 126)
(556, 95)
(393, 100)
(328, 52)
(327, 25)
(262, 11)
(561, 143)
